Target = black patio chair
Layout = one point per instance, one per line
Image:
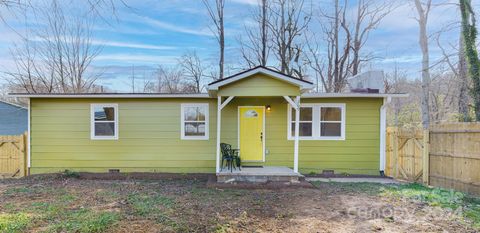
(230, 156)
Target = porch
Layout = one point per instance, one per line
(259, 174)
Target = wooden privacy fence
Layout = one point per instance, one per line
(447, 156)
(13, 154)
(455, 156)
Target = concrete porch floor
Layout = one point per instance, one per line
(259, 175)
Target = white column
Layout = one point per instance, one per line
(219, 125)
(383, 129)
(297, 130)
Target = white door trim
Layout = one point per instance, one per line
(263, 130)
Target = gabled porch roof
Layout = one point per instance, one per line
(300, 83)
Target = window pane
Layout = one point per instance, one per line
(190, 113)
(104, 129)
(194, 129)
(195, 113)
(305, 130)
(305, 114)
(104, 114)
(331, 114)
(331, 129)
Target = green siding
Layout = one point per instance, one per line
(149, 137)
(259, 85)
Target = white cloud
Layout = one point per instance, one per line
(173, 27)
(136, 58)
(130, 45)
(248, 2)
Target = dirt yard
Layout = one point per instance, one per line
(59, 204)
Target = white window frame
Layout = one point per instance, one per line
(316, 111)
(182, 121)
(92, 122)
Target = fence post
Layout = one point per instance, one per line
(426, 156)
(395, 152)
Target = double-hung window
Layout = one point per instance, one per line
(318, 122)
(104, 121)
(194, 123)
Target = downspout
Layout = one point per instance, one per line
(29, 148)
(383, 132)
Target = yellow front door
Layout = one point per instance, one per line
(251, 133)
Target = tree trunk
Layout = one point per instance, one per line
(463, 80)
(469, 32)
(264, 33)
(423, 41)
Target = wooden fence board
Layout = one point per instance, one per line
(13, 155)
(404, 154)
(455, 156)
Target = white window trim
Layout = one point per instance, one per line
(182, 121)
(92, 122)
(316, 121)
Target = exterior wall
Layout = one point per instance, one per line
(357, 154)
(258, 85)
(149, 137)
(13, 119)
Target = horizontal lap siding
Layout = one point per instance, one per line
(149, 137)
(358, 154)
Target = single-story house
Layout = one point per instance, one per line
(13, 118)
(255, 111)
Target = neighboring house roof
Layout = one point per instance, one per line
(12, 104)
(13, 119)
(303, 84)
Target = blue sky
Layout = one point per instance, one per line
(151, 33)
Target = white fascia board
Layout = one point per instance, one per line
(301, 84)
(106, 96)
(352, 95)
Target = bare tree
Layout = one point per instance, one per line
(216, 15)
(369, 15)
(423, 9)
(57, 56)
(289, 19)
(255, 47)
(332, 68)
(193, 68)
(169, 80)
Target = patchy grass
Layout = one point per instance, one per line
(350, 188)
(148, 205)
(186, 205)
(458, 202)
(464, 204)
(84, 220)
(11, 223)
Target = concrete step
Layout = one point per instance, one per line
(260, 175)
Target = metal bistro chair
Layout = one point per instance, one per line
(231, 156)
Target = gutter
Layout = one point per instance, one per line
(383, 134)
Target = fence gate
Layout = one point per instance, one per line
(13, 151)
(404, 154)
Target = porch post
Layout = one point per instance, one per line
(297, 130)
(219, 124)
(220, 106)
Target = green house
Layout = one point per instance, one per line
(255, 111)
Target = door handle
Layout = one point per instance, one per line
(261, 136)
